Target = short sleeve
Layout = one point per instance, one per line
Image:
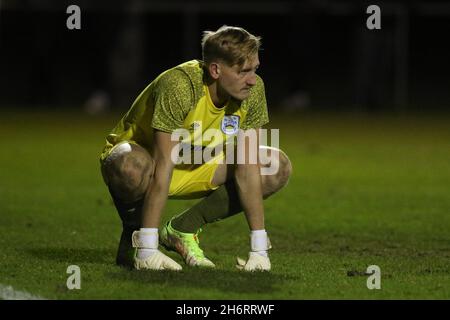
(257, 114)
(172, 98)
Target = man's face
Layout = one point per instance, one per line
(236, 81)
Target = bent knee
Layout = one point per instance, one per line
(285, 168)
(279, 176)
(129, 172)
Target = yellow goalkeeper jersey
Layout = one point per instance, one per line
(179, 99)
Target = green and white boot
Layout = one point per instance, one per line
(186, 244)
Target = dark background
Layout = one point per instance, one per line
(316, 54)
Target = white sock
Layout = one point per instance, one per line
(258, 240)
(148, 235)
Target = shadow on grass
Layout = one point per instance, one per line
(224, 280)
(221, 279)
(74, 255)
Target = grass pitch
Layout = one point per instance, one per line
(365, 191)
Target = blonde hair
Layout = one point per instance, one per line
(232, 45)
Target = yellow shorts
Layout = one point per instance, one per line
(192, 181)
(189, 181)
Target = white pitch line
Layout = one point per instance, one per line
(9, 293)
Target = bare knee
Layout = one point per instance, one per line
(128, 172)
(277, 179)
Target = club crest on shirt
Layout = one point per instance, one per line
(230, 124)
